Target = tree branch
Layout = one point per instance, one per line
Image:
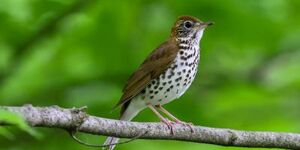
(56, 117)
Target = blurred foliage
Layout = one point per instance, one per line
(80, 53)
(8, 117)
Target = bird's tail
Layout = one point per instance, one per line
(128, 115)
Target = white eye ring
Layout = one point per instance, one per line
(188, 24)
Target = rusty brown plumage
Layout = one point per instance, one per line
(155, 64)
(165, 74)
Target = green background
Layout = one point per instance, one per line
(80, 53)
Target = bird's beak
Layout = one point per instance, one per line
(206, 24)
(203, 25)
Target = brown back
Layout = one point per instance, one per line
(154, 65)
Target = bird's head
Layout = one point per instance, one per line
(189, 28)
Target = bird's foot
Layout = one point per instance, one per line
(188, 124)
(169, 124)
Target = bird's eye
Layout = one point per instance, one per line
(188, 24)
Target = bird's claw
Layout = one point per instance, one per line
(188, 124)
(169, 124)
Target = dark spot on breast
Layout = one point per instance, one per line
(183, 58)
(157, 83)
(181, 52)
(178, 79)
(174, 67)
(155, 87)
(143, 91)
(171, 75)
(185, 42)
(151, 97)
(170, 82)
(160, 88)
(155, 92)
(179, 73)
(151, 91)
(183, 47)
(163, 76)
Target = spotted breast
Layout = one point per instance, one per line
(165, 74)
(173, 82)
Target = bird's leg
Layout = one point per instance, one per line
(163, 119)
(190, 125)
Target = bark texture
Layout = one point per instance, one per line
(76, 118)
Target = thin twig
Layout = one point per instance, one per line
(104, 145)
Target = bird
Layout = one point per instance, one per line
(165, 74)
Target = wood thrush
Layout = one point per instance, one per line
(165, 74)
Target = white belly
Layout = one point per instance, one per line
(175, 81)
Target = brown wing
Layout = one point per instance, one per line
(155, 64)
